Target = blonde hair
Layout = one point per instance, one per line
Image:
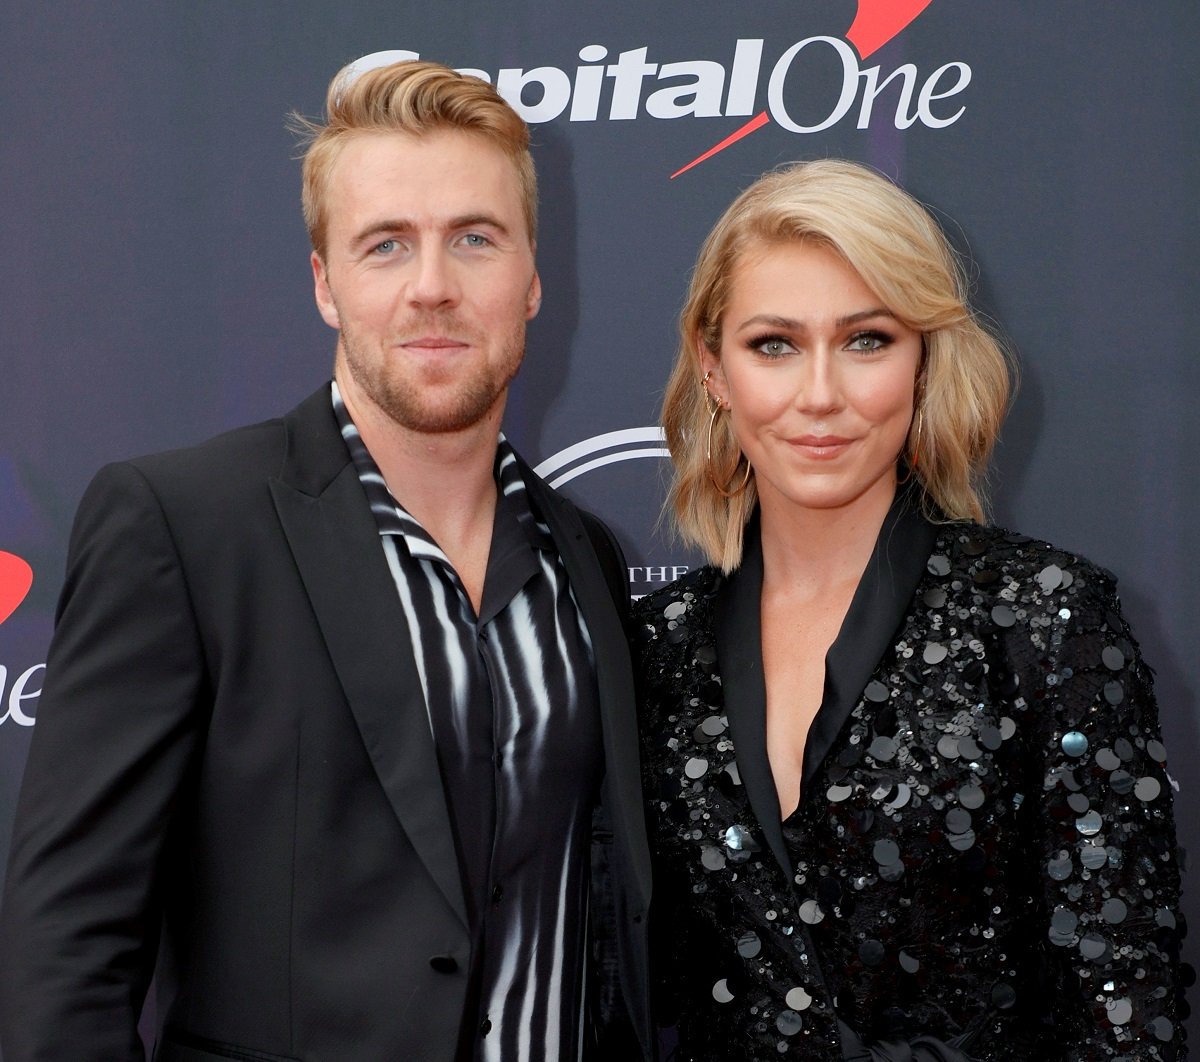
(901, 254)
(414, 98)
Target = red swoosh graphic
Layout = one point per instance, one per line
(878, 21)
(757, 122)
(16, 577)
(875, 23)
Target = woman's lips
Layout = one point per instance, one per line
(821, 447)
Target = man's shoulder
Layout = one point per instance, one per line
(220, 478)
(247, 451)
(235, 446)
(544, 495)
(558, 510)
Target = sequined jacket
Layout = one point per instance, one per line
(984, 850)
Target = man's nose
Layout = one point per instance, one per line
(435, 282)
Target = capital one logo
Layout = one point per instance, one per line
(16, 577)
(632, 84)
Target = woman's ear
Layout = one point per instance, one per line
(711, 374)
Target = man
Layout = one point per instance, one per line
(337, 735)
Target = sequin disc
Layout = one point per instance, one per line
(798, 999)
(1074, 743)
(789, 1022)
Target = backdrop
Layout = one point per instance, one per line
(156, 288)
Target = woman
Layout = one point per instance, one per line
(904, 771)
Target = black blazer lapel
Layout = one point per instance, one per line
(739, 659)
(879, 604)
(883, 595)
(615, 679)
(335, 543)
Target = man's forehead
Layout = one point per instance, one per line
(443, 164)
(384, 147)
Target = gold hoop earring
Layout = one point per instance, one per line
(715, 412)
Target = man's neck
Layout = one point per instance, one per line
(444, 480)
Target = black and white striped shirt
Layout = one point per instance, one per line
(513, 707)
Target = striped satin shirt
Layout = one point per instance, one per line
(514, 711)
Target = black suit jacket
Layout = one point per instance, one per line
(232, 746)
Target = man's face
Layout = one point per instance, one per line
(428, 275)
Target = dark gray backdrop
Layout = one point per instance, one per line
(155, 286)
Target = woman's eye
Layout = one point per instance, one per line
(867, 341)
(772, 346)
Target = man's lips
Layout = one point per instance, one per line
(433, 343)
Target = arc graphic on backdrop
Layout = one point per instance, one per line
(627, 444)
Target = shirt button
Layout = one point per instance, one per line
(446, 964)
(497, 893)
(485, 1027)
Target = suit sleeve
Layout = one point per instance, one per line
(119, 723)
(1107, 856)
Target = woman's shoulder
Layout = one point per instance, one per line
(669, 623)
(1048, 606)
(986, 557)
(673, 644)
(692, 590)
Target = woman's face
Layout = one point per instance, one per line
(819, 377)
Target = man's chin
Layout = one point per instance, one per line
(443, 418)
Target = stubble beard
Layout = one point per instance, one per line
(424, 400)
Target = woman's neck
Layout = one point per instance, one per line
(810, 551)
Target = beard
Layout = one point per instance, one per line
(434, 399)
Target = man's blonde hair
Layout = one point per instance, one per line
(414, 98)
(893, 243)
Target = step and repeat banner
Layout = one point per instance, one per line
(155, 286)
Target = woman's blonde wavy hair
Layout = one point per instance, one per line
(899, 251)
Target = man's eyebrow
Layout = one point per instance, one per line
(792, 324)
(490, 220)
(378, 228)
(407, 225)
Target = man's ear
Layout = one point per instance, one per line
(533, 301)
(322, 293)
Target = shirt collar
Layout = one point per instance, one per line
(513, 504)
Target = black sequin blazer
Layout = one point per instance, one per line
(984, 852)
